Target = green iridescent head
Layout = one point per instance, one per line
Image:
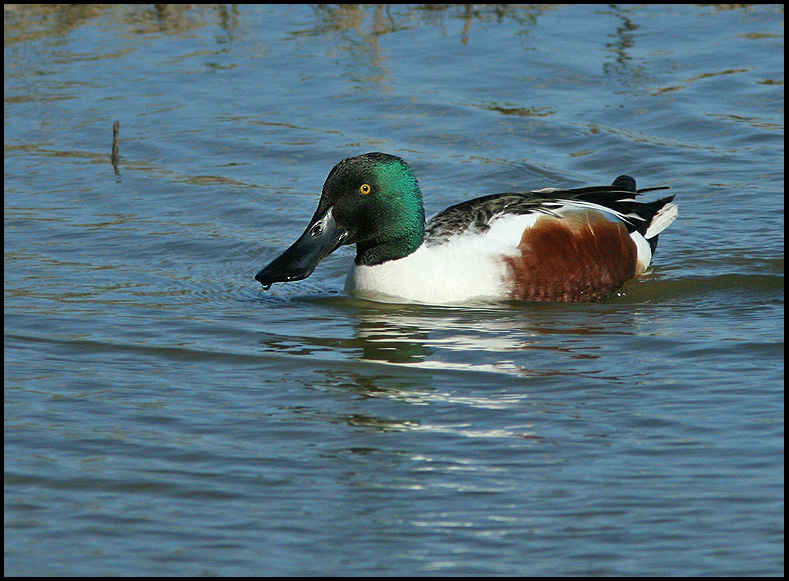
(371, 200)
(377, 199)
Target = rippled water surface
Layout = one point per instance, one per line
(165, 416)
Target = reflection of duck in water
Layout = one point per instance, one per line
(545, 245)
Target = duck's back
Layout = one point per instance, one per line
(619, 199)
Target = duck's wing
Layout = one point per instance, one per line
(618, 199)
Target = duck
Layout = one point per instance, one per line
(550, 244)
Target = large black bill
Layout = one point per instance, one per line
(320, 239)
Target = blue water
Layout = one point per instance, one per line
(165, 416)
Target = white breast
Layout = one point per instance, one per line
(463, 268)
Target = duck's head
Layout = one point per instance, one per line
(373, 201)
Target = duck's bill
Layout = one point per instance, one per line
(322, 237)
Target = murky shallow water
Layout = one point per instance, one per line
(166, 416)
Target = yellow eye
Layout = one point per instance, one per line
(365, 189)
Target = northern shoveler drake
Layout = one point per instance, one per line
(544, 245)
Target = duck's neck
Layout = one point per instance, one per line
(372, 252)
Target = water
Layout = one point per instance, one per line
(165, 416)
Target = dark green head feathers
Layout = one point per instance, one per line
(376, 198)
(373, 201)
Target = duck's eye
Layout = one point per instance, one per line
(365, 189)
